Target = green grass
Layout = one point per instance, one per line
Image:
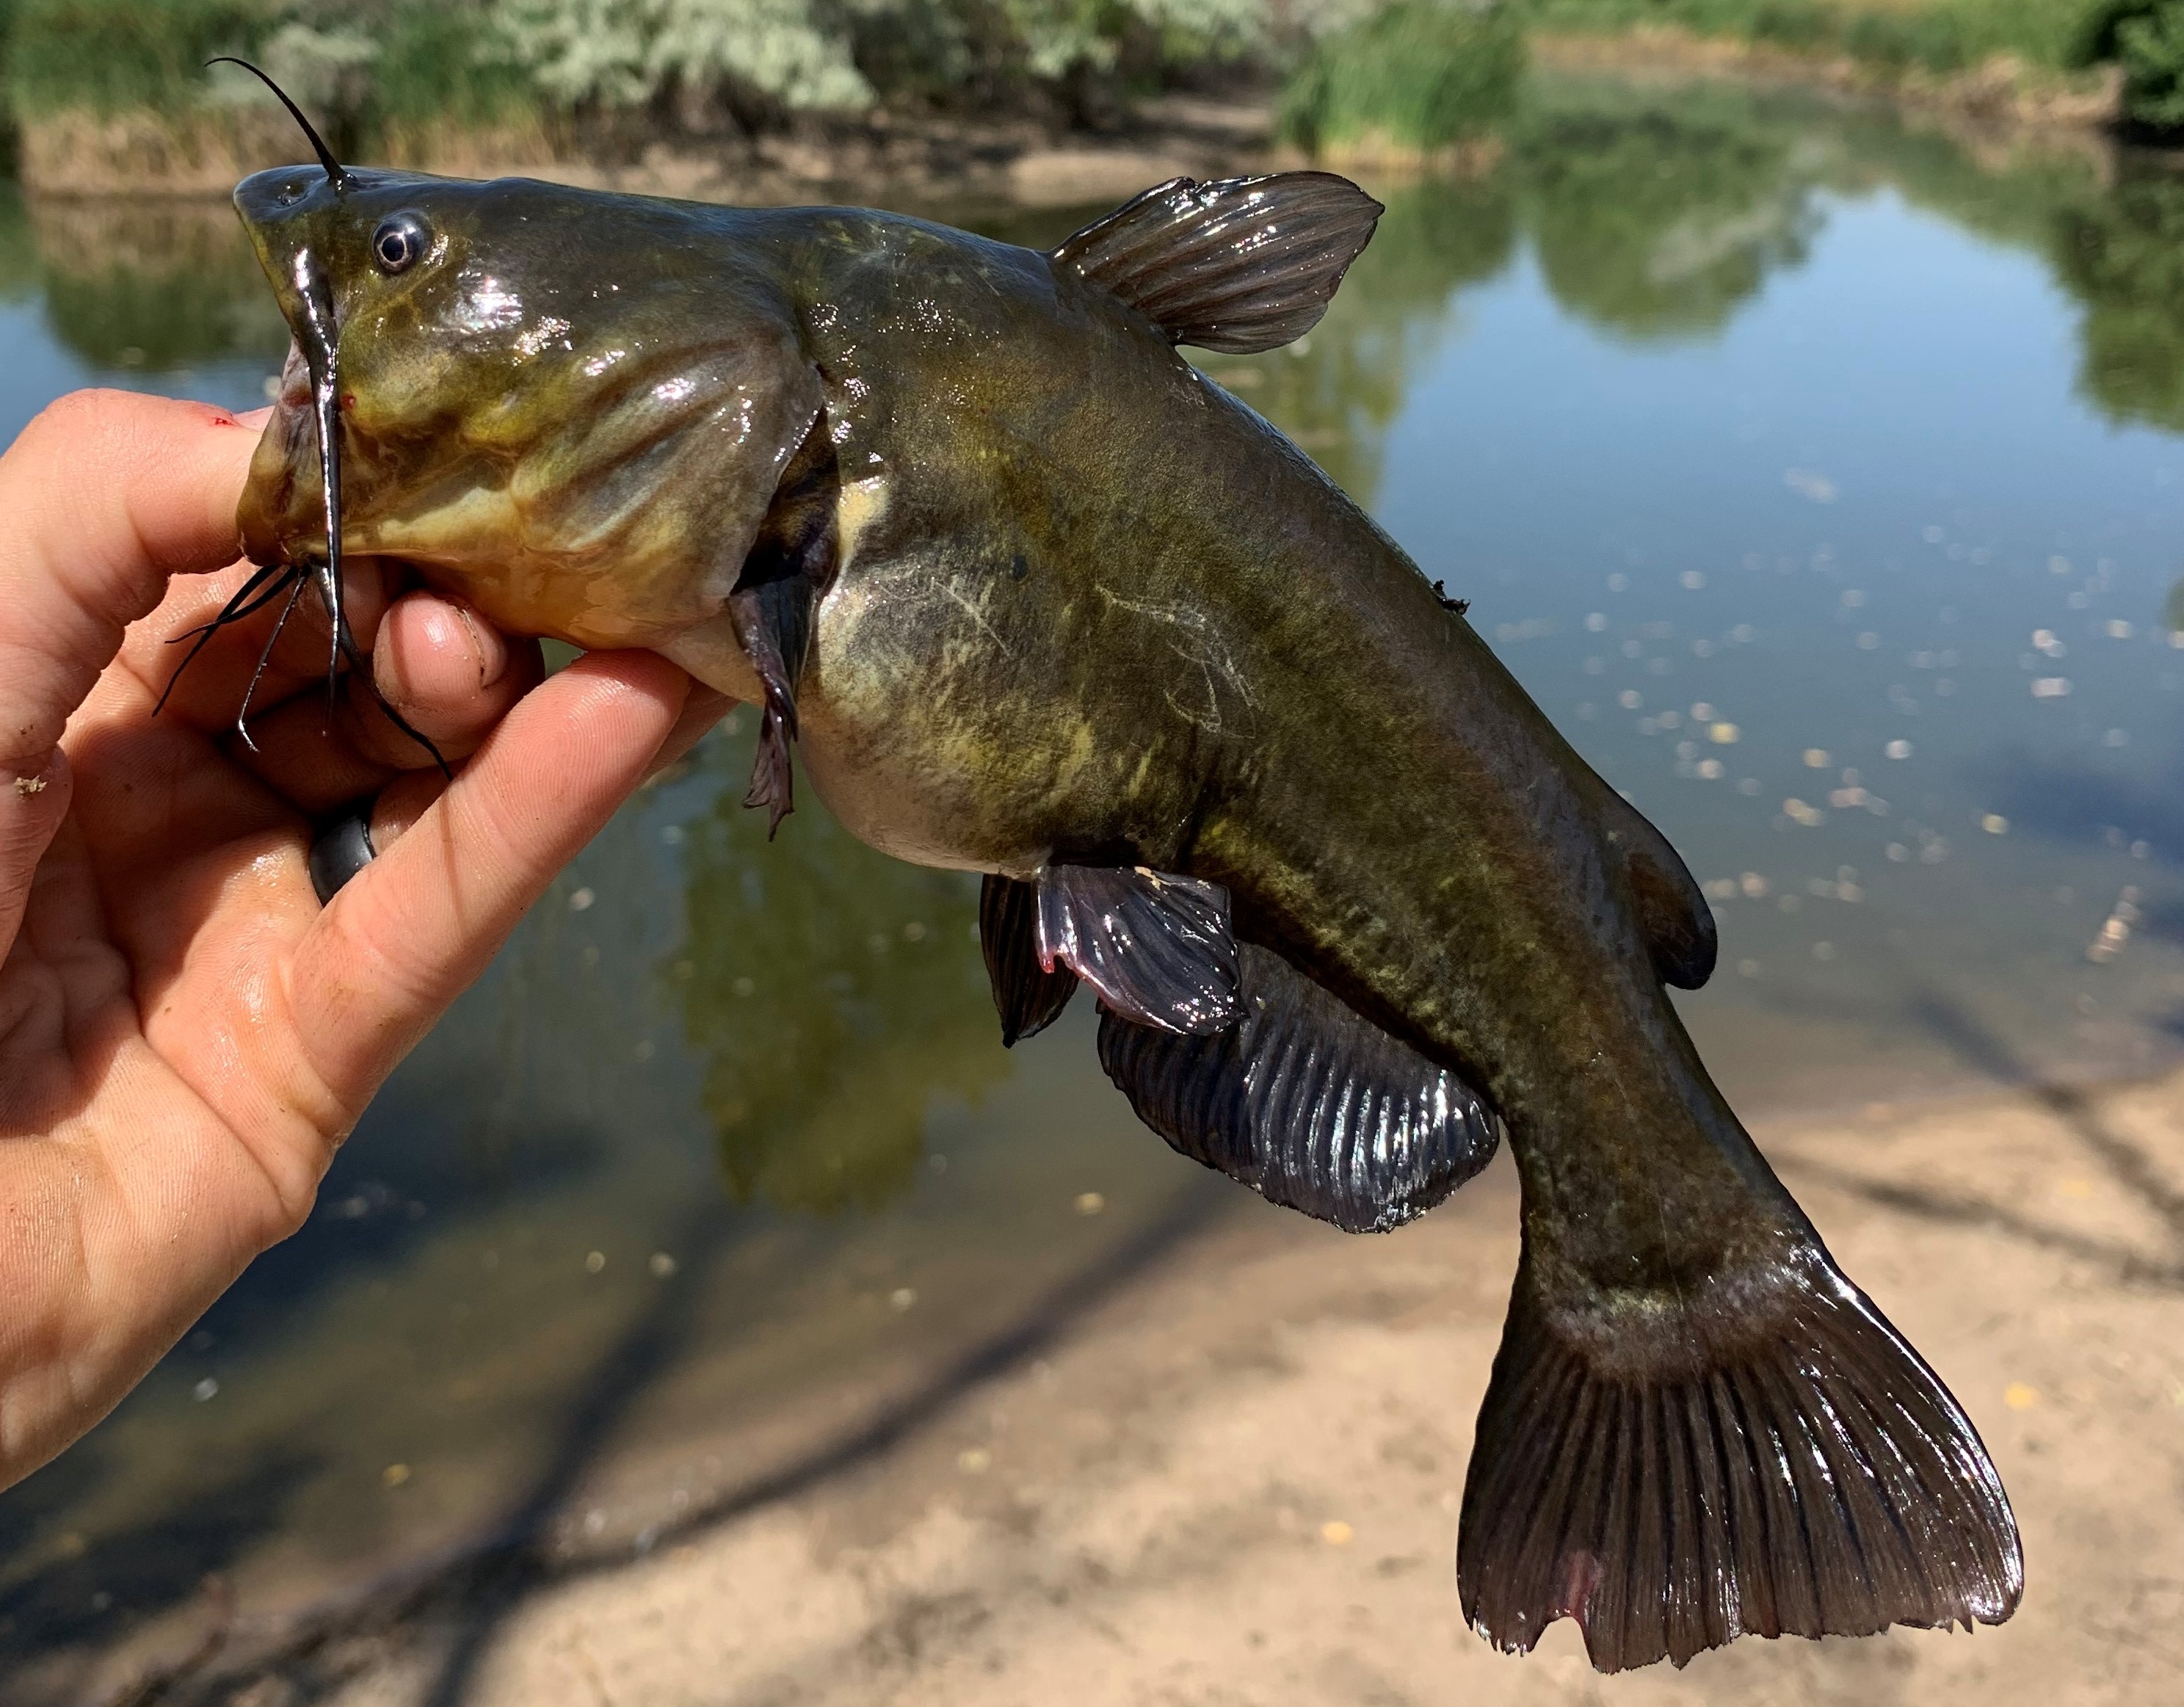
(113, 56)
(1937, 35)
(1417, 76)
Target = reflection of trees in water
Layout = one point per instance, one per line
(832, 993)
(18, 252)
(152, 286)
(1658, 223)
(2122, 255)
(1338, 391)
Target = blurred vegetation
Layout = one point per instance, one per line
(363, 67)
(157, 286)
(2146, 37)
(2121, 254)
(1413, 77)
(1337, 391)
(833, 994)
(1658, 223)
(1937, 35)
(116, 55)
(1356, 76)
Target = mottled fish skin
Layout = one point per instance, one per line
(1084, 604)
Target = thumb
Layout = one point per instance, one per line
(106, 495)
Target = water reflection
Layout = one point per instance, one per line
(147, 287)
(1660, 222)
(2122, 254)
(832, 993)
(1337, 391)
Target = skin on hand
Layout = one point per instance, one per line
(184, 1036)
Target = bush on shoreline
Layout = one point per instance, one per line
(419, 79)
(1410, 80)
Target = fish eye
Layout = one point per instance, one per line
(399, 243)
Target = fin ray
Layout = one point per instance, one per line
(1154, 946)
(1236, 265)
(1028, 996)
(1767, 1456)
(1307, 1102)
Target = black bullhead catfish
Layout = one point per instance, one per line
(1032, 596)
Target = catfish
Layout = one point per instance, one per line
(1030, 595)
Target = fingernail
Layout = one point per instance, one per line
(492, 650)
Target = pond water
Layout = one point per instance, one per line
(1821, 479)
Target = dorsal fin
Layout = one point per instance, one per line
(1238, 264)
(1672, 908)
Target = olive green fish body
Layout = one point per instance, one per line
(1032, 596)
(1228, 671)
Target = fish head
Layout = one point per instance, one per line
(570, 408)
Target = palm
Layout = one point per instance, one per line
(185, 1034)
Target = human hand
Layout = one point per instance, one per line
(186, 1035)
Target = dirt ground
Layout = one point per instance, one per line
(1234, 1482)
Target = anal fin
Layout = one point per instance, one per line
(1307, 1102)
(1758, 1453)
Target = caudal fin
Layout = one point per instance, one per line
(1761, 1457)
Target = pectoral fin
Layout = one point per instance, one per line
(790, 567)
(1238, 264)
(773, 622)
(1307, 1102)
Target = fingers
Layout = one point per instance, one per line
(445, 670)
(449, 673)
(442, 669)
(400, 943)
(200, 673)
(107, 495)
(705, 707)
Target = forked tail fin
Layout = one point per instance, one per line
(1764, 1455)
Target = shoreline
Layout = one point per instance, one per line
(1021, 163)
(2002, 91)
(1232, 1474)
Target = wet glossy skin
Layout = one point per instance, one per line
(1088, 604)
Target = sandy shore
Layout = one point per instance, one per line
(1232, 1481)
